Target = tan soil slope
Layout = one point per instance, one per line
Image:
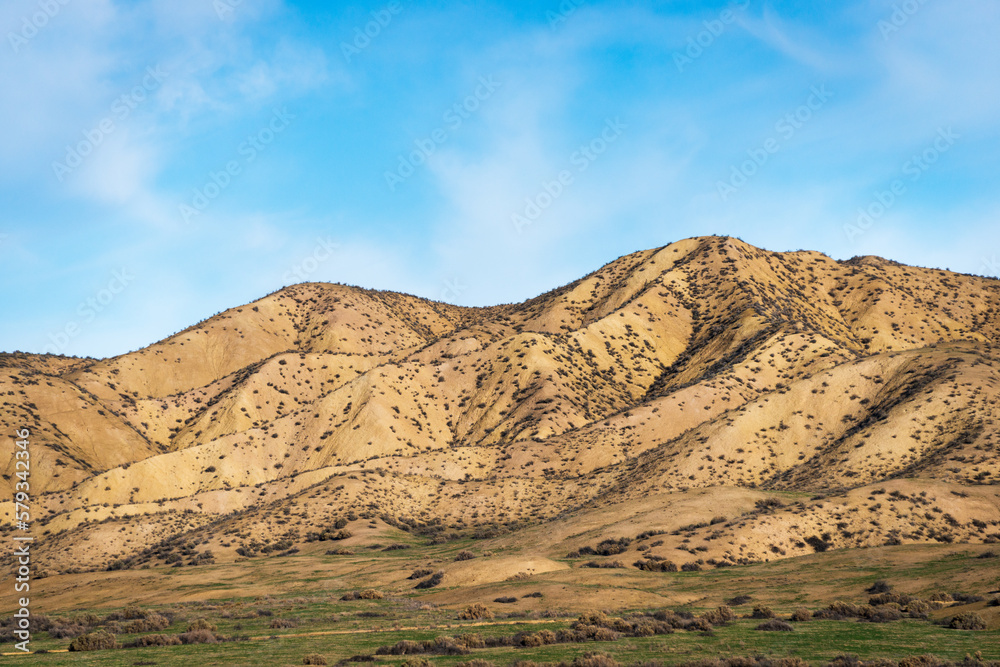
(705, 366)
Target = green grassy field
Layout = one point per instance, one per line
(309, 602)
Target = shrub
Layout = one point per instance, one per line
(417, 662)
(738, 600)
(594, 660)
(612, 547)
(885, 598)
(368, 594)
(879, 586)
(198, 637)
(431, 581)
(536, 594)
(420, 574)
(94, 641)
(652, 565)
(200, 624)
(402, 647)
(476, 612)
(505, 599)
(477, 662)
(465, 555)
(719, 616)
(605, 564)
(969, 620)
(278, 623)
(691, 567)
(153, 640)
(762, 612)
(314, 659)
(800, 615)
(67, 631)
(775, 625)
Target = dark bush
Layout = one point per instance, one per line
(431, 581)
(656, 565)
(153, 640)
(314, 659)
(879, 586)
(738, 600)
(420, 574)
(465, 555)
(775, 625)
(505, 599)
(604, 564)
(762, 612)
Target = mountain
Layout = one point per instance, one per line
(749, 405)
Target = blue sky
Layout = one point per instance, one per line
(163, 160)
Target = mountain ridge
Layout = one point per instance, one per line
(703, 364)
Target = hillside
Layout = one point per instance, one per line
(748, 405)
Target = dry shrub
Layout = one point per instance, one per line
(721, 615)
(607, 564)
(594, 660)
(653, 565)
(969, 620)
(420, 574)
(465, 555)
(760, 611)
(129, 613)
(800, 615)
(67, 631)
(201, 624)
(402, 647)
(775, 625)
(368, 594)
(477, 662)
(475, 612)
(151, 623)
(314, 659)
(94, 641)
(199, 637)
(886, 598)
(417, 662)
(279, 623)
